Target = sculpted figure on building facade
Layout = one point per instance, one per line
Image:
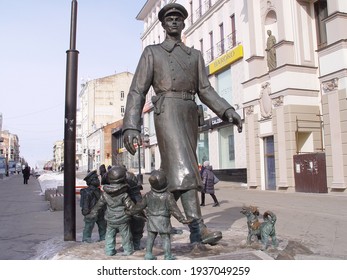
(271, 51)
(265, 101)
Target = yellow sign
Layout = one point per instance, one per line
(226, 59)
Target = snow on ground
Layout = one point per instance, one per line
(51, 180)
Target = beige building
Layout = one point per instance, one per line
(102, 102)
(9, 146)
(295, 109)
(58, 156)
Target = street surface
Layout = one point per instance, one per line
(309, 226)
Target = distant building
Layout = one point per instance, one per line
(102, 102)
(58, 156)
(9, 146)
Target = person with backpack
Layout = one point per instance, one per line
(89, 197)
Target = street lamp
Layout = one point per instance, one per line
(145, 140)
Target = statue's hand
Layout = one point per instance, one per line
(234, 118)
(130, 137)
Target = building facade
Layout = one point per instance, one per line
(102, 102)
(9, 146)
(57, 164)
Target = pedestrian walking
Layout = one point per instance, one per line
(208, 180)
(26, 173)
(102, 173)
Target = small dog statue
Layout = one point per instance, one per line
(261, 230)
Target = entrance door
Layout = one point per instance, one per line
(269, 156)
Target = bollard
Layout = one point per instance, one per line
(49, 192)
(57, 202)
(60, 189)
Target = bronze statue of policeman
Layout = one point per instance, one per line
(177, 74)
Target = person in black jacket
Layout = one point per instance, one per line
(89, 198)
(26, 173)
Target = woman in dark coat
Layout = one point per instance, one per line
(26, 173)
(208, 182)
(102, 172)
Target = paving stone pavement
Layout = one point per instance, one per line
(309, 227)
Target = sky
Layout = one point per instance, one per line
(35, 35)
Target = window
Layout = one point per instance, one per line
(221, 43)
(122, 94)
(224, 85)
(191, 11)
(232, 42)
(269, 157)
(211, 45)
(321, 12)
(226, 148)
(122, 110)
(203, 147)
(202, 46)
(199, 10)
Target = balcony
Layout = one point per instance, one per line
(221, 47)
(199, 12)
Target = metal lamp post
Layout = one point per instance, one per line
(139, 176)
(70, 132)
(145, 140)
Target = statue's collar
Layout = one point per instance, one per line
(169, 45)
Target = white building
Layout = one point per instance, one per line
(294, 107)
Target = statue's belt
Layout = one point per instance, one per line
(158, 99)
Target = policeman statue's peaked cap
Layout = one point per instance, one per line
(172, 8)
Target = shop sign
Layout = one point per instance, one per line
(226, 59)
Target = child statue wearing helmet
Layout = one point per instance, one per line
(117, 200)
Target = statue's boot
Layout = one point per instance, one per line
(210, 237)
(199, 233)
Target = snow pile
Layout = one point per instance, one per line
(53, 180)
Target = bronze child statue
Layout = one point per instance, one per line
(160, 204)
(89, 198)
(137, 223)
(116, 198)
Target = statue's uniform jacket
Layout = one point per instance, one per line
(176, 119)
